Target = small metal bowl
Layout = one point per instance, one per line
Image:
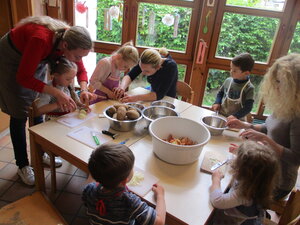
(163, 103)
(215, 124)
(151, 113)
(136, 105)
(122, 125)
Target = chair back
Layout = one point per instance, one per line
(32, 112)
(291, 213)
(185, 91)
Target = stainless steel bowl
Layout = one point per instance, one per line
(215, 124)
(122, 125)
(136, 104)
(151, 113)
(163, 103)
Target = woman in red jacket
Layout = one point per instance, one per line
(24, 54)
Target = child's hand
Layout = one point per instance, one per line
(129, 98)
(231, 117)
(158, 190)
(217, 175)
(216, 107)
(233, 122)
(233, 148)
(118, 92)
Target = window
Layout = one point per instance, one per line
(295, 45)
(277, 5)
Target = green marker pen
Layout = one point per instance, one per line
(95, 138)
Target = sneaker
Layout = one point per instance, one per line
(27, 175)
(46, 160)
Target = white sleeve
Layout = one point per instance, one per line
(44, 99)
(100, 73)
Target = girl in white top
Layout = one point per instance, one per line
(106, 75)
(255, 170)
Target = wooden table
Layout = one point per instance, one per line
(186, 188)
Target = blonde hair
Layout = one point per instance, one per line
(76, 36)
(152, 56)
(256, 169)
(280, 88)
(128, 52)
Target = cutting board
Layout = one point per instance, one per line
(145, 185)
(210, 159)
(83, 135)
(72, 119)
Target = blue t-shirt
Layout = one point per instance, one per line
(164, 81)
(116, 207)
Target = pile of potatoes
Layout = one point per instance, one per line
(123, 112)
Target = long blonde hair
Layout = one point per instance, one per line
(76, 36)
(280, 88)
(256, 170)
(128, 52)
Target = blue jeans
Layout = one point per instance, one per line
(17, 128)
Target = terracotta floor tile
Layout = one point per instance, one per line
(61, 181)
(17, 191)
(9, 172)
(3, 203)
(68, 203)
(2, 165)
(5, 140)
(7, 155)
(81, 173)
(76, 185)
(67, 168)
(4, 186)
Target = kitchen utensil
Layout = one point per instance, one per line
(219, 164)
(110, 134)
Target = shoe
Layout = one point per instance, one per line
(27, 175)
(46, 160)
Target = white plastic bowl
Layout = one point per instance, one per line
(179, 127)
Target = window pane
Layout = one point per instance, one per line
(295, 45)
(163, 26)
(215, 81)
(276, 5)
(181, 71)
(103, 19)
(243, 33)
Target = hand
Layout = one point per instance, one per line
(233, 122)
(254, 135)
(158, 190)
(65, 102)
(118, 92)
(231, 117)
(216, 107)
(86, 97)
(233, 148)
(111, 95)
(129, 98)
(217, 175)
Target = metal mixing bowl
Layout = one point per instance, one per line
(136, 104)
(151, 113)
(215, 124)
(163, 103)
(122, 125)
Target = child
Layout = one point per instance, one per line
(236, 96)
(106, 75)
(63, 72)
(255, 170)
(108, 201)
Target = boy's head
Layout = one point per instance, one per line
(111, 164)
(241, 66)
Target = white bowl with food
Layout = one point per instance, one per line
(180, 128)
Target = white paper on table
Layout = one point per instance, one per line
(84, 135)
(145, 185)
(72, 119)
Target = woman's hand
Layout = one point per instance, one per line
(119, 92)
(86, 97)
(233, 148)
(233, 122)
(254, 135)
(65, 102)
(129, 98)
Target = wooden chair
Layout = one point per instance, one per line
(35, 209)
(185, 91)
(289, 210)
(31, 115)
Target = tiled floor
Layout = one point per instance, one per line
(70, 182)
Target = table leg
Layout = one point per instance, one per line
(37, 162)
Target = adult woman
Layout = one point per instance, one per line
(25, 52)
(161, 73)
(280, 90)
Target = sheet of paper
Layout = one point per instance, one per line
(84, 135)
(145, 185)
(72, 119)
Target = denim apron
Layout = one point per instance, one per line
(14, 98)
(231, 106)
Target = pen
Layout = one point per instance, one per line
(95, 138)
(123, 142)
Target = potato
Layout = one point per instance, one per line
(132, 114)
(120, 105)
(111, 111)
(122, 108)
(121, 114)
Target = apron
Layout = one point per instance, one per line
(231, 106)
(111, 82)
(14, 98)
